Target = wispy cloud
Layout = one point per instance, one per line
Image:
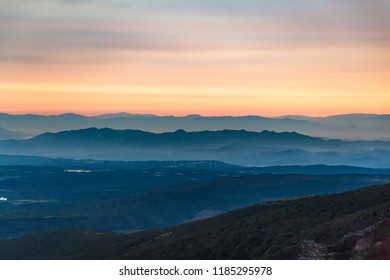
(294, 45)
(169, 25)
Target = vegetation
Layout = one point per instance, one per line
(324, 226)
(43, 198)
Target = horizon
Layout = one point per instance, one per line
(264, 58)
(56, 114)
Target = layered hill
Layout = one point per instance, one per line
(6, 134)
(350, 225)
(232, 146)
(352, 126)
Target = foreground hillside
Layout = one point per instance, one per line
(350, 225)
(42, 198)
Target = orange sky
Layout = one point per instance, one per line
(171, 59)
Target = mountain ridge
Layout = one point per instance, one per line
(238, 147)
(353, 126)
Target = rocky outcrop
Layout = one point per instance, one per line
(368, 243)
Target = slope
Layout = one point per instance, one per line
(321, 227)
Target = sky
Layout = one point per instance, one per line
(177, 57)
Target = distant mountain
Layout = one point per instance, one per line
(238, 147)
(354, 126)
(349, 120)
(124, 115)
(6, 134)
(351, 225)
(203, 139)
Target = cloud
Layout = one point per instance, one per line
(38, 28)
(113, 3)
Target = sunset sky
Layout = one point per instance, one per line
(177, 57)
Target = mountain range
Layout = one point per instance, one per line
(239, 147)
(351, 126)
(108, 186)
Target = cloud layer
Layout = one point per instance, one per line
(279, 44)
